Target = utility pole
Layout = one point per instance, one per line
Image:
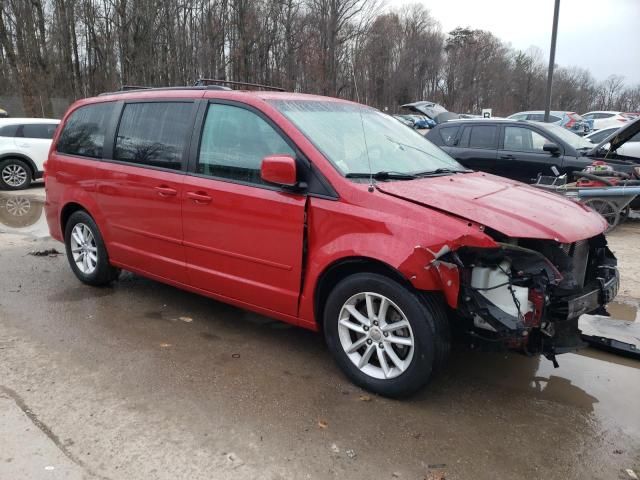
(552, 60)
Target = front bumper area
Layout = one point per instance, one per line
(533, 298)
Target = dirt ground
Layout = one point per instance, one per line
(141, 380)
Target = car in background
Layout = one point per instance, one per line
(429, 109)
(597, 136)
(24, 146)
(3, 113)
(405, 120)
(419, 122)
(569, 120)
(606, 119)
(622, 144)
(517, 149)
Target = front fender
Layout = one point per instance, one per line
(413, 249)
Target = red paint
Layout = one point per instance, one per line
(246, 245)
(534, 317)
(279, 169)
(510, 207)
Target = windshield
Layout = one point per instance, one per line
(571, 138)
(351, 136)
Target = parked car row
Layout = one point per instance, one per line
(569, 120)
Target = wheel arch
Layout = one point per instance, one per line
(68, 210)
(341, 269)
(19, 156)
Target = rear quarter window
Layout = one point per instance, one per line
(8, 130)
(448, 135)
(83, 133)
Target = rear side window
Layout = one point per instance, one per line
(483, 136)
(153, 134)
(227, 151)
(448, 135)
(83, 134)
(8, 130)
(39, 130)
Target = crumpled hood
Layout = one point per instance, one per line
(512, 208)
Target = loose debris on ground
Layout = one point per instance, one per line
(50, 252)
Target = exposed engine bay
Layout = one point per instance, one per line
(528, 294)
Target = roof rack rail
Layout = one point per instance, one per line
(129, 88)
(209, 81)
(124, 88)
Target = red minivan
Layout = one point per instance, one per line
(328, 215)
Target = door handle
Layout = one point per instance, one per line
(165, 191)
(507, 157)
(199, 197)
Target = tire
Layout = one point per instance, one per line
(351, 333)
(14, 174)
(90, 264)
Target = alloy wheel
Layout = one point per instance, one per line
(376, 335)
(14, 175)
(84, 248)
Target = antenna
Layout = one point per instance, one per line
(364, 134)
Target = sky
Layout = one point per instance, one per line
(600, 35)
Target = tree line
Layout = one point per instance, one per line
(353, 49)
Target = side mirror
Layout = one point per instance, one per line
(552, 148)
(279, 169)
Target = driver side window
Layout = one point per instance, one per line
(234, 142)
(522, 139)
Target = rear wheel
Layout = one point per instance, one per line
(384, 336)
(86, 252)
(14, 174)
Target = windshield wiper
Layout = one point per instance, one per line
(383, 175)
(441, 170)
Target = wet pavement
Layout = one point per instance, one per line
(141, 380)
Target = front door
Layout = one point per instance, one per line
(139, 187)
(521, 156)
(243, 238)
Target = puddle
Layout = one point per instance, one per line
(23, 214)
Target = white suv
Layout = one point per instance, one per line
(24, 146)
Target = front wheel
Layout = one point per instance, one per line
(384, 336)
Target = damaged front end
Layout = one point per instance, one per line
(527, 294)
